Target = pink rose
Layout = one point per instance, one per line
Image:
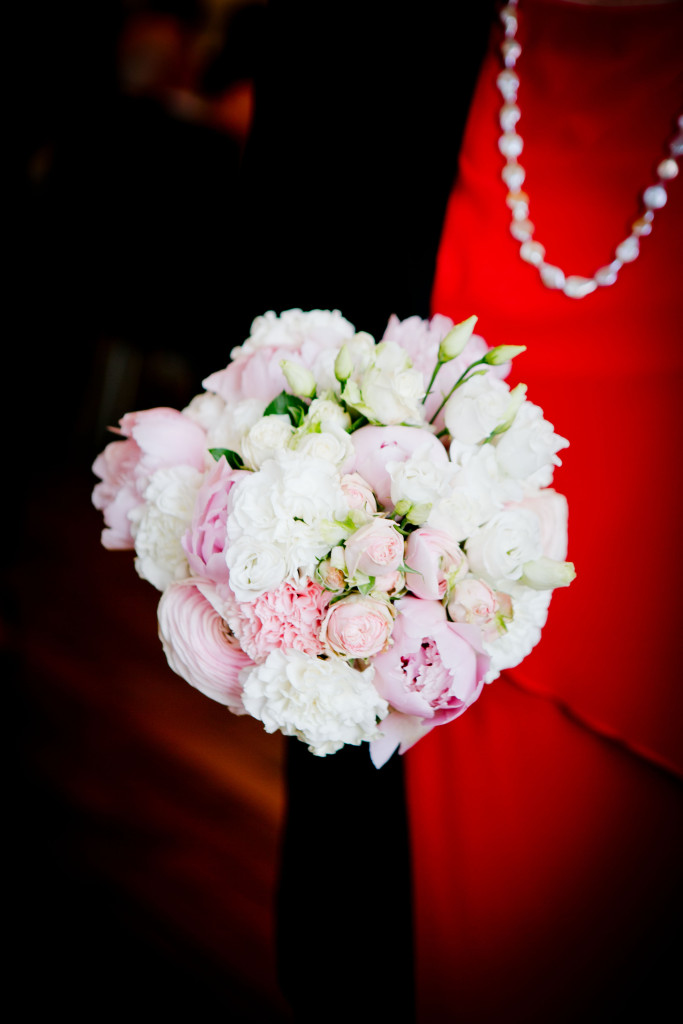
(374, 447)
(474, 601)
(434, 668)
(156, 439)
(197, 643)
(375, 549)
(358, 493)
(436, 560)
(287, 618)
(204, 542)
(358, 627)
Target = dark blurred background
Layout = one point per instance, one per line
(144, 824)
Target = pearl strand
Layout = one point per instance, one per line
(513, 174)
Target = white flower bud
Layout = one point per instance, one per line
(503, 354)
(419, 514)
(343, 364)
(546, 574)
(301, 381)
(456, 339)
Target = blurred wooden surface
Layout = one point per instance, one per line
(145, 818)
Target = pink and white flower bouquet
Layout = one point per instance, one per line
(350, 538)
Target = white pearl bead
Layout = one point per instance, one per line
(667, 169)
(511, 51)
(508, 83)
(628, 250)
(576, 287)
(508, 16)
(510, 144)
(608, 274)
(641, 227)
(655, 197)
(513, 174)
(552, 277)
(532, 252)
(676, 147)
(522, 230)
(509, 116)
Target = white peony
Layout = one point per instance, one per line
(293, 328)
(159, 524)
(325, 703)
(476, 408)
(498, 550)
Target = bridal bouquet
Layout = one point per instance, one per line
(350, 538)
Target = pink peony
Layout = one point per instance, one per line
(197, 642)
(156, 439)
(286, 618)
(204, 542)
(433, 671)
(436, 560)
(374, 447)
(358, 627)
(376, 549)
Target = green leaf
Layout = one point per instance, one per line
(288, 405)
(233, 459)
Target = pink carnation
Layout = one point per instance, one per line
(287, 618)
(156, 439)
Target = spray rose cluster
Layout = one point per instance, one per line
(350, 537)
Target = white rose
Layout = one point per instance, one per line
(528, 450)
(476, 408)
(498, 550)
(269, 435)
(391, 389)
(159, 524)
(332, 444)
(324, 703)
(205, 410)
(255, 567)
(327, 413)
(419, 481)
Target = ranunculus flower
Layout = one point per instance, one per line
(358, 627)
(156, 438)
(436, 560)
(375, 447)
(375, 549)
(434, 669)
(205, 540)
(198, 644)
(325, 703)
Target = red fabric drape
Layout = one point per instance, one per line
(545, 836)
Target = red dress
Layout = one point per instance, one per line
(547, 821)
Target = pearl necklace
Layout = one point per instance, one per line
(522, 229)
